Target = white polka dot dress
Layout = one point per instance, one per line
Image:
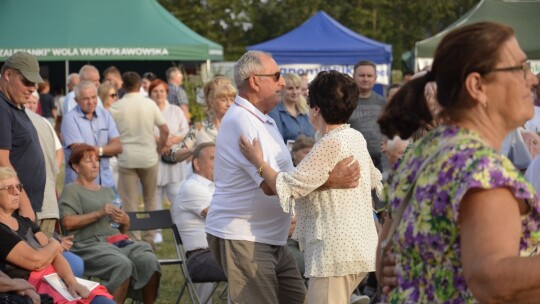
(335, 227)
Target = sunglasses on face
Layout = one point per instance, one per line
(11, 189)
(113, 95)
(276, 76)
(27, 83)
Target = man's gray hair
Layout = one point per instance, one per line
(85, 84)
(70, 77)
(249, 64)
(171, 71)
(87, 68)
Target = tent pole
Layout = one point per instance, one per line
(67, 74)
(208, 69)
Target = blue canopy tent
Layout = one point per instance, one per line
(324, 41)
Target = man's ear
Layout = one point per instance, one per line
(253, 83)
(196, 165)
(475, 87)
(8, 74)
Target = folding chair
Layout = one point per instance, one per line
(161, 219)
(178, 239)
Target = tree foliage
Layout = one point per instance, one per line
(236, 24)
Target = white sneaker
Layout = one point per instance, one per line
(359, 299)
(158, 238)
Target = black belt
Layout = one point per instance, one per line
(192, 252)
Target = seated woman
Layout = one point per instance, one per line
(86, 212)
(335, 227)
(26, 253)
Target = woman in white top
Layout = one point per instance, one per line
(335, 227)
(170, 176)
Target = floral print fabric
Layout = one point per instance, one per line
(427, 239)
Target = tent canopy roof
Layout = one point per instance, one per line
(99, 30)
(323, 40)
(522, 15)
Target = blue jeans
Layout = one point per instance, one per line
(102, 300)
(76, 263)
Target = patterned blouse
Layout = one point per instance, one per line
(200, 133)
(427, 239)
(335, 227)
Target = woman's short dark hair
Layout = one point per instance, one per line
(336, 95)
(467, 49)
(78, 152)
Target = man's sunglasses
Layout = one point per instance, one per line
(276, 75)
(11, 188)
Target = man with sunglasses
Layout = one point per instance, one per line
(246, 227)
(19, 143)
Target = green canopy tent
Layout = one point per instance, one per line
(59, 30)
(522, 15)
(107, 31)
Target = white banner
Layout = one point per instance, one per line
(311, 70)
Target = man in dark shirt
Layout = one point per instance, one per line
(46, 100)
(19, 143)
(370, 105)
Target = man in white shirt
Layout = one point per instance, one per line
(189, 213)
(247, 229)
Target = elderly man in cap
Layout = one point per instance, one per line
(19, 143)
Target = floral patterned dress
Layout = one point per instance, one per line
(427, 239)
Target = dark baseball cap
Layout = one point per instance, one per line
(27, 64)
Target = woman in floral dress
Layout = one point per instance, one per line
(468, 231)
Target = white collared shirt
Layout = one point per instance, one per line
(239, 209)
(193, 197)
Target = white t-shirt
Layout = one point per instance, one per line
(239, 209)
(193, 197)
(135, 117)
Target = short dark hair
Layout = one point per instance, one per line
(364, 63)
(78, 152)
(336, 95)
(198, 150)
(132, 81)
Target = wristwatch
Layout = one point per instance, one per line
(100, 151)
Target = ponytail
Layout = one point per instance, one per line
(408, 110)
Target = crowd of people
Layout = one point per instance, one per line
(290, 190)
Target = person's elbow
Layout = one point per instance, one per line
(37, 262)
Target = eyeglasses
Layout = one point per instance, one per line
(276, 75)
(525, 67)
(113, 95)
(11, 188)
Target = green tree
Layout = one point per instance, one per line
(236, 24)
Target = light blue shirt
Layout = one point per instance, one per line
(77, 128)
